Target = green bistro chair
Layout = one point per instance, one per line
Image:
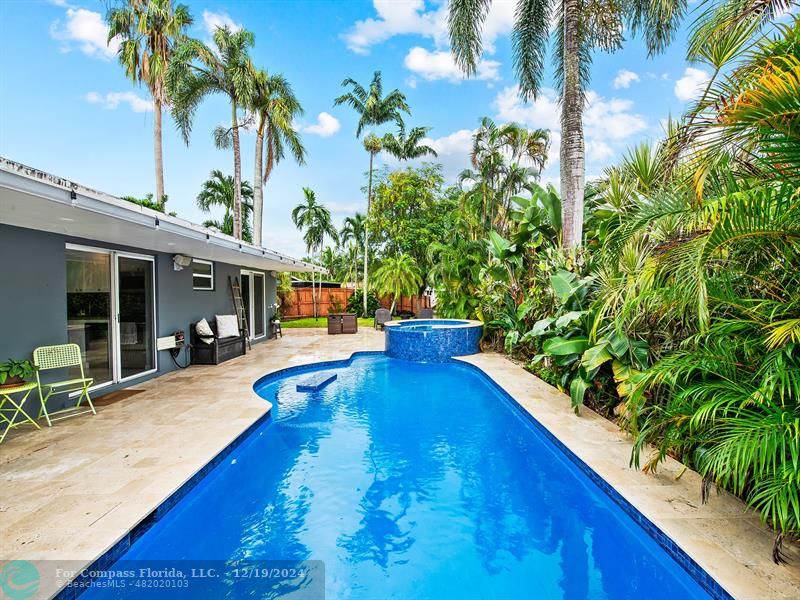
(61, 356)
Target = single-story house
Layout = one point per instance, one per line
(116, 278)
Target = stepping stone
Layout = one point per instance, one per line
(315, 382)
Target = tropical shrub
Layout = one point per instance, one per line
(355, 304)
(680, 317)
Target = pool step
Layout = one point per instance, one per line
(315, 382)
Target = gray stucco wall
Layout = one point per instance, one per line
(33, 295)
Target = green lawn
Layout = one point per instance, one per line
(320, 322)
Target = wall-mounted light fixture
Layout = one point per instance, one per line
(179, 261)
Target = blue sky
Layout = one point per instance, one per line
(67, 108)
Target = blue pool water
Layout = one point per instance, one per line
(413, 480)
(415, 323)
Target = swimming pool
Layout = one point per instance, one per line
(413, 480)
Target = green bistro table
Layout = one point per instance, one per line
(15, 410)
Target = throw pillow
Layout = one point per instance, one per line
(227, 326)
(204, 331)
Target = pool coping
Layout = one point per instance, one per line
(664, 541)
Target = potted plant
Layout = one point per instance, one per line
(276, 312)
(15, 372)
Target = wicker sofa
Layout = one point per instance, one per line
(219, 350)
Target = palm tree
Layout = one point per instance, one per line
(374, 109)
(353, 231)
(197, 71)
(496, 155)
(579, 31)
(407, 147)
(148, 31)
(276, 106)
(398, 276)
(315, 219)
(329, 260)
(218, 190)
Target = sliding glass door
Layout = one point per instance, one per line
(89, 312)
(135, 309)
(253, 298)
(111, 312)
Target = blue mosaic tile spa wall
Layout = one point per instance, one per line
(432, 341)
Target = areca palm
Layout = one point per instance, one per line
(407, 147)
(496, 154)
(314, 219)
(398, 276)
(353, 231)
(329, 260)
(148, 31)
(374, 109)
(197, 71)
(276, 107)
(582, 27)
(218, 190)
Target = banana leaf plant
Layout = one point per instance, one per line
(566, 341)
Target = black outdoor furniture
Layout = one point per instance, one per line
(342, 323)
(213, 351)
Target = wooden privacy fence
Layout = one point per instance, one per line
(299, 302)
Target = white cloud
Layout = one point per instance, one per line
(598, 150)
(395, 18)
(608, 123)
(440, 65)
(610, 119)
(87, 30)
(457, 142)
(325, 126)
(453, 151)
(112, 100)
(409, 17)
(624, 79)
(691, 85)
(543, 112)
(212, 20)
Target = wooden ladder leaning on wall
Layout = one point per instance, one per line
(238, 306)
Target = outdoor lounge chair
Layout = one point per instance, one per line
(62, 356)
(425, 313)
(382, 315)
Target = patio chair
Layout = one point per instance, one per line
(425, 313)
(62, 356)
(382, 315)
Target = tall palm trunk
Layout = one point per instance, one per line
(258, 185)
(366, 231)
(157, 152)
(355, 266)
(313, 290)
(237, 176)
(572, 149)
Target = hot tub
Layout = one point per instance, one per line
(432, 340)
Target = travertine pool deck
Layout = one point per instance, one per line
(71, 492)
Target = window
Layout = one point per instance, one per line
(202, 274)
